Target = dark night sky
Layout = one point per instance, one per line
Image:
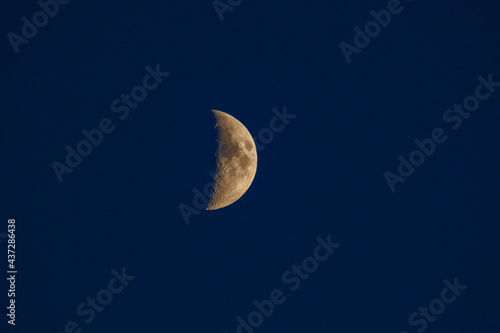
(322, 175)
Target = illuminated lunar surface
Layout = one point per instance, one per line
(236, 161)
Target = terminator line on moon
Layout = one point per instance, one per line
(236, 161)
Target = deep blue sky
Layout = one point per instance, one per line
(322, 175)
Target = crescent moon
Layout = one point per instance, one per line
(236, 161)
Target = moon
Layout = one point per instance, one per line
(236, 161)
